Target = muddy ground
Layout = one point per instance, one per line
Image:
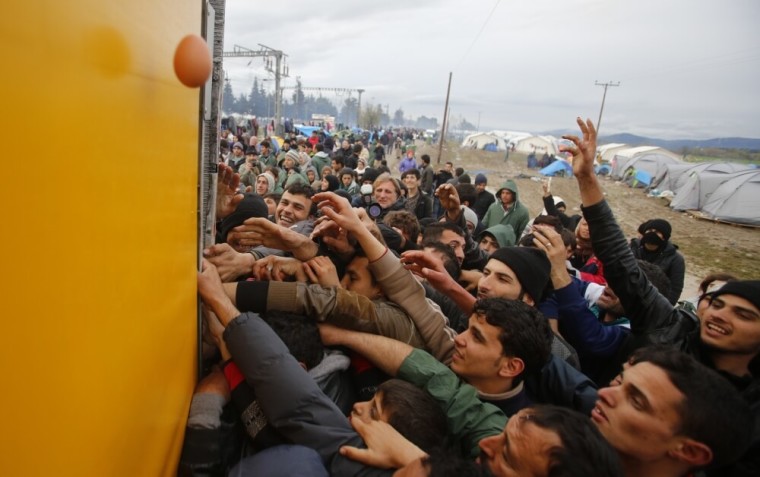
(707, 246)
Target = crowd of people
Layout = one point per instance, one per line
(367, 320)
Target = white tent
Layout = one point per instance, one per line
(649, 162)
(695, 193)
(481, 140)
(619, 162)
(537, 144)
(736, 200)
(666, 178)
(717, 167)
(606, 152)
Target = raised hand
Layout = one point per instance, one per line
(321, 270)
(583, 149)
(450, 201)
(227, 195)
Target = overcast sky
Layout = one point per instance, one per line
(688, 69)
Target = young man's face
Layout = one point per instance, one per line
(522, 449)
(730, 323)
(455, 242)
(499, 281)
(372, 410)
(411, 182)
(336, 166)
(346, 179)
(237, 151)
(262, 185)
(251, 158)
(638, 413)
(507, 196)
(358, 279)
(292, 209)
(488, 244)
(480, 187)
(478, 353)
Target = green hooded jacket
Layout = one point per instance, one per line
(504, 235)
(516, 215)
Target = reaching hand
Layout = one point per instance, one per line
(261, 231)
(546, 186)
(214, 383)
(229, 263)
(321, 270)
(227, 196)
(386, 447)
(210, 284)
(470, 278)
(279, 269)
(584, 150)
(338, 210)
(332, 335)
(333, 236)
(427, 266)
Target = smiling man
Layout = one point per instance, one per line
(725, 335)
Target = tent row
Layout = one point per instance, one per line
(724, 191)
(522, 142)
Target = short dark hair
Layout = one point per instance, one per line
(319, 147)
(425, 158)
(338, 160)
(584, 450)
(405, 221)
(450, 262)
(549, 220)
(266, 143)
(414, 414)
(712, 411)
(299, 188)
(714, 277)
(274, 196)
(467, 193)
(656, 277)
(432, 232)
(525, 332)
(568, 238)
(458, 171)
(413, 172)
(300, 334)
(465, 179)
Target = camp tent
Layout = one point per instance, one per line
(666, 178)
(694, 194)
(735, 200)
(558, 167)
(649, 163)
(482, 141)
(606, 152)
(718, 167)
(622, 158)
(536, 144)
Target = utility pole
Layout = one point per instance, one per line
(359, 108)
(445, 116)
(604, 96)
(280, 71)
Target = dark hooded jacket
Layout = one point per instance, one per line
(669, 260)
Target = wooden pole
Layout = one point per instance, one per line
(445, 116)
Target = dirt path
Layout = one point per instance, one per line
(707, 246)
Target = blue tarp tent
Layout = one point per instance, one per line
(307, 130)
(558, 167)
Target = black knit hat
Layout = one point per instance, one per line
(660, 225)
(531, 266)
(252, 205)
(747, 289)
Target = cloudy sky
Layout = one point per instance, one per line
(688, 69)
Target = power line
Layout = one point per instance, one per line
(478, 35)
